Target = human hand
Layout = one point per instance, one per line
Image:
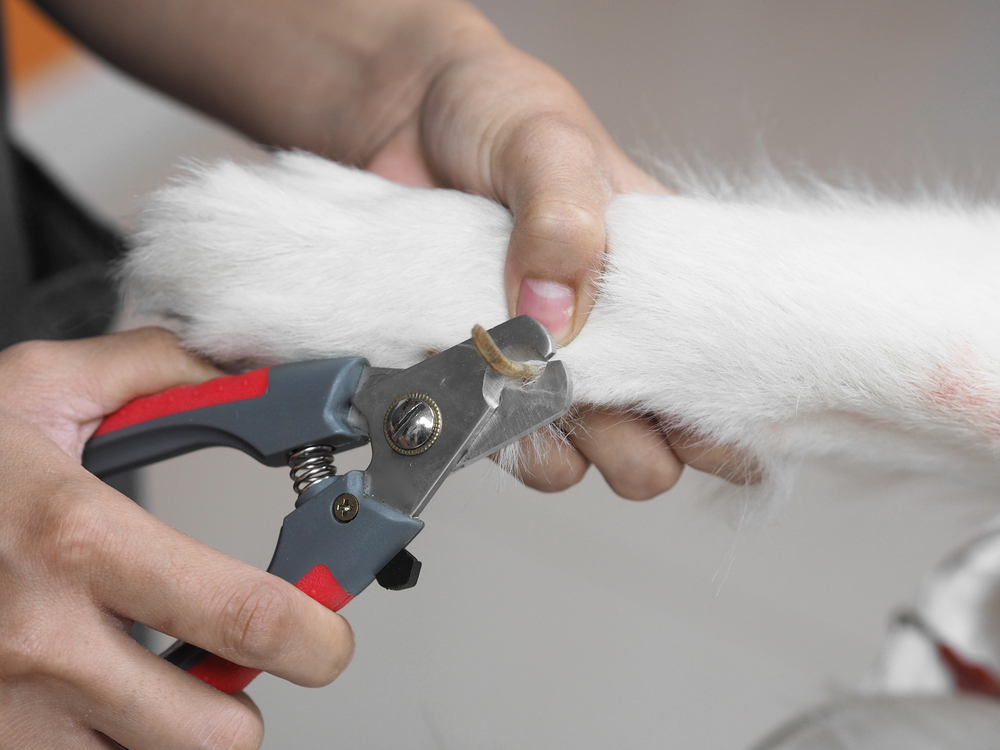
(425, 92)
(79, 562)
(494, 121)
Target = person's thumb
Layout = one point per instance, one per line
(557, 191)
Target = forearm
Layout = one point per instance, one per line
(337, 77)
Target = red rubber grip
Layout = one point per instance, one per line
(320, 585)
(181, 398)
(223, 675)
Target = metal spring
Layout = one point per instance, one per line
(310, 465)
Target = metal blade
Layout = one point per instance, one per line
(522, 410)
(477, 411)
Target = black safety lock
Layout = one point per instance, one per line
(401, 572)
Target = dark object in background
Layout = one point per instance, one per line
(55, 258)
(65, 258)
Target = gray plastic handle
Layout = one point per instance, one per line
(305, 403)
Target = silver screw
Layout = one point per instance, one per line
(412, 424)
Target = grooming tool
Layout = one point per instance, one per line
(348, 530)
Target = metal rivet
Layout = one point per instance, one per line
(412, 424)
(345, 507)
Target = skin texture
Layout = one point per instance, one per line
(81, 562)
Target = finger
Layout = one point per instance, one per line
(547, 463)
(247, 701)
(557, 191)
(65, 388)
(557, 175)
(144, 570)
(629, 451)
(124, 366)
(47, 726)
(500, 123)
(556, 170)
(140, 701)
(732, 464)
(401, 159)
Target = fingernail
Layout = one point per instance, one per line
(549, 303)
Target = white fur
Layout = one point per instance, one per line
(791, 327)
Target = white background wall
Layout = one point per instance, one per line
(581, 620)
